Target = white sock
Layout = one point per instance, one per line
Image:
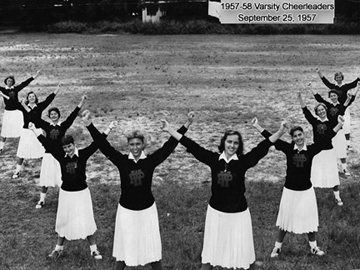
(278, 244)
(93, 248)
(312, 244)
(57, 247)
(42, 197)
(2, 145)
(337, 195)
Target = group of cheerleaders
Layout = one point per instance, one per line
(228, 238)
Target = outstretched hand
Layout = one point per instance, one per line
(165, 125)
(37, 74)
(191, 116)
(284, 126)
(254, 121)
(86, 117)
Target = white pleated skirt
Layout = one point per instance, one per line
(12, 124)
(347, 118)
(324, 172)
(298, 212)
(228, 239)
(50, 173)
(137, 236)
(339, 144)
(75, 216)
(29, 146)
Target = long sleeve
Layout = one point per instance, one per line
(327, 83)
(110, 152)
(161, 154)
(253, 157)
(42, 105)
(309, 116)
(203, 155)
(55, 150)
(23, 84)
(70, 119)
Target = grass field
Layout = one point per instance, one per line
(137, 80)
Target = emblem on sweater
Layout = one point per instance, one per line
(71, 167)
(12, 95)
(224, 178)
(321, 128)
(136, 177)
(54, 134)
(299, 160)
(334, 111)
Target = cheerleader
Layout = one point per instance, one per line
(12, 118)
(50, 173)
(228, 238)
(334, 109)
(298, 212)
(137, 237)
(29, 147)
(342, 90)
(72, 223)
(324, 173)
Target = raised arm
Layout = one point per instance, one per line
(319, 73)
(302, 104)
(272, 137)
(351, 96)
(168, 147)
(71, 118)
(53, 149)
(103, 144)
(23, 104)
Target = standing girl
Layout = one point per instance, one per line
(137, 236)
(50, 173)
(298, 212)
(29, 147)
(324, 173)
(228, 237)
(75, 215)
(12, 118)
(334, 109)
(342, 90)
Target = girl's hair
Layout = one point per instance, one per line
(67, 139)
(53, 109)
(135, 134)
(295, 128)
(333, 91)
(317, 107)
(227, 133)
(339, 74)
(27, 97)
(10, 77)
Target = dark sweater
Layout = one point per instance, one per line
(136, 177)
(320, 129)
(34, 115)
(56, 132)
(342, 90)
(72, 168)
(13, 103)
(298, 163)
(228, 179)
(333, 111)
